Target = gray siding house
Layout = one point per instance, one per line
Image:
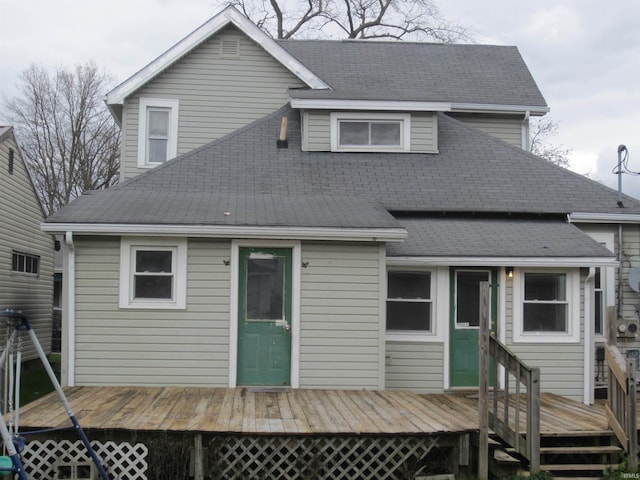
(319, 214)
(26, 253)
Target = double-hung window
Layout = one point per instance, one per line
(370, 133)
(153, 274)
(158, 131)
(409, 302)
(547, 303)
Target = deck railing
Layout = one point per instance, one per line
(507, 422)
(621, 395)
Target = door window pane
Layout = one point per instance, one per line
(265, 288)
(468, 297)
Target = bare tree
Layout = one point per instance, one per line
(373, 19)
(70, 142)
(540, 130)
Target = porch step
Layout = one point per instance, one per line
(586, 450)
(579, 467)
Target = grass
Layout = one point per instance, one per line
(35, 382)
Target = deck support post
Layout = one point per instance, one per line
(483, 385)
(198, 458)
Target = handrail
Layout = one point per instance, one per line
(515, 372)
(621, 395)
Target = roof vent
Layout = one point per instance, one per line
(230, 47)
(282, 142)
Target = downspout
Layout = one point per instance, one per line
(525, 131)
(588, 337)
(71, 308)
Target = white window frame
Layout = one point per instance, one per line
(572, 335)
(178, 247)
(172, 142)
(404, 119)
(430, 301)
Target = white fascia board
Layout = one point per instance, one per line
(202, 33)
(384, 105)
(224, 231)
(604, 218)
(486, 108)
(504, 261)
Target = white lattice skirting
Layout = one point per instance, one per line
(123, 461)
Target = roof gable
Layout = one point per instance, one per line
(228, 16)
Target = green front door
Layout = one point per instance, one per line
(264, 316)
(465, 321)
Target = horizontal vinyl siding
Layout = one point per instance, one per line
(340, 316)
(561, 364)
(20, 217)
(217, 94)
(506, 128)
(151, 347)
(415, 366)
(317, 131)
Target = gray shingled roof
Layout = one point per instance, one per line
(473, 172)
(368, 70)
(197, 207)
(476, 237)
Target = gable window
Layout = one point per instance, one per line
(157, 131)
(25, 263)
(409, 301)
(368, 132)
(549, 305)
(153, 274)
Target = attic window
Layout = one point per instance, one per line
(157, 131)
(361, 132)
(230, 48)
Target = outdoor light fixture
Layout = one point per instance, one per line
(509, 271)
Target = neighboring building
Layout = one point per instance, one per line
(330, 214)
(26, 268)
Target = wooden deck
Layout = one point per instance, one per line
(296, 412)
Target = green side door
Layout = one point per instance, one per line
(264, 316)
(465, 321)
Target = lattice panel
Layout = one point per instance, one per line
(123, 461)
(335, 458)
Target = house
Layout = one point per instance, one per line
(320, 214)
(26, 270)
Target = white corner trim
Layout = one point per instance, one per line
(589, 328)
(378, 105)
(224, 231)
(201, 34)
(71, 309)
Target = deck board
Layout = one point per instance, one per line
(296, 411)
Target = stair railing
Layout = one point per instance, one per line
(515, 372)
(621, 394)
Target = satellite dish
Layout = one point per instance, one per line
(634, 279)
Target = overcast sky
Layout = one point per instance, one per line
(584, 55)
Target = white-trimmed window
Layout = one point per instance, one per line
(364, 132)
(409, 302)
(25, 263)
(153, 273)
(157, 131)
(547, 306)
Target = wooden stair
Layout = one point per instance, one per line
(575, 455)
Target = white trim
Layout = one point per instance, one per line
(488, 107)
(573, 309)
(224, 231)
(178, 246)
(382, 316)
(70, 274)
(581, 217)
(506, 261)
(173, 105)
(384, 105)
(201, 34)
(589, 317)
(296, 285)
(404, 119)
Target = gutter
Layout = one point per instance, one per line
(603, 218)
